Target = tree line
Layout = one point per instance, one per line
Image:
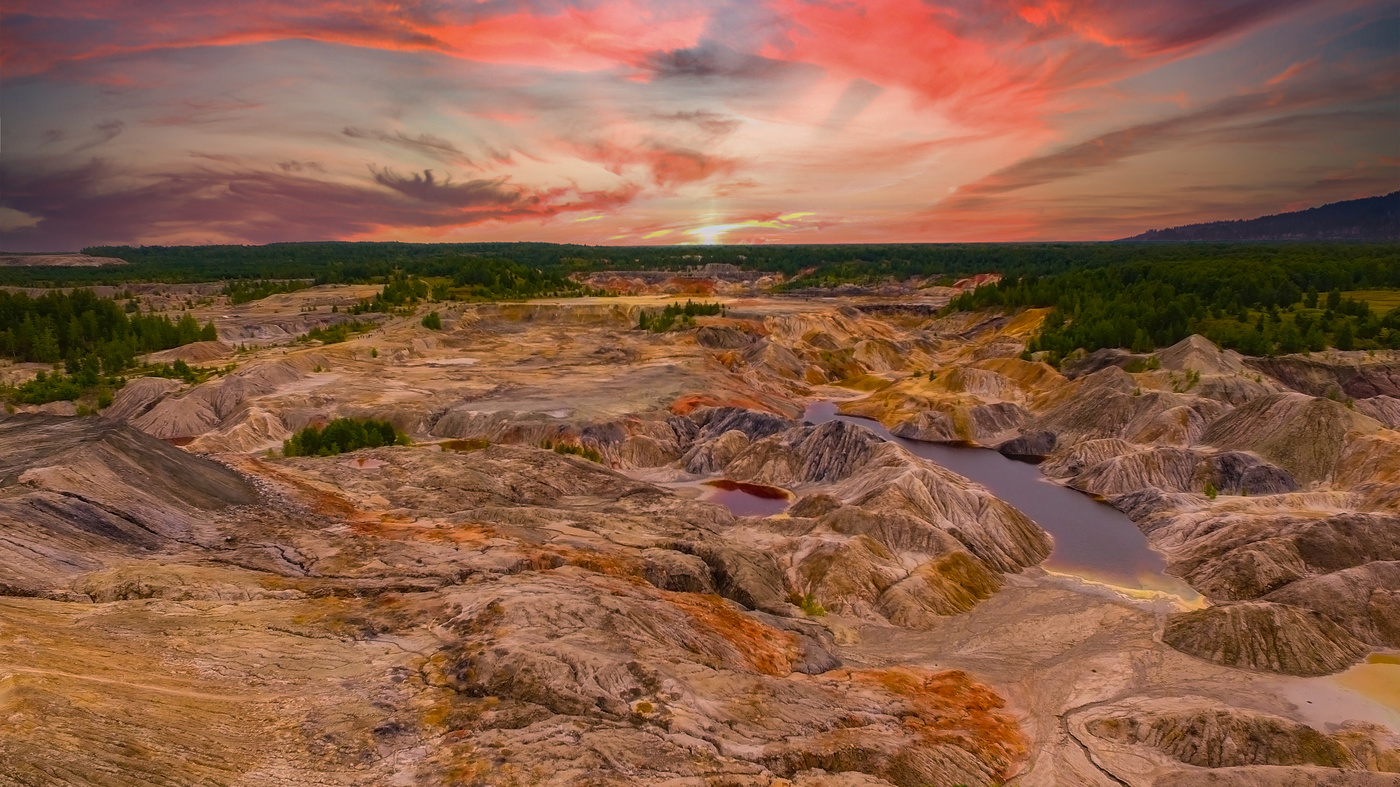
(1256, 306)
(509, 270)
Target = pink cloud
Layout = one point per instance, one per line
(890, 119)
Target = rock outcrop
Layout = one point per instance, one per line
(888, 536)
(81, 494)
(1301, 434)
(1264, 635)
(1241, 746)
(1352, 374)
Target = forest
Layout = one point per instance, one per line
(94, 339)
(489, 271)
(78, 325)
(1258, 307)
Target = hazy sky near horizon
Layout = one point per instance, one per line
(678, 121)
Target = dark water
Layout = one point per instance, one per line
(1092, 539)
(741, 503)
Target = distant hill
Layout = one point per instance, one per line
(1372, 218)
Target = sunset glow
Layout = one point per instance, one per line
(624, 121)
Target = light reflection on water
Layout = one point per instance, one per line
(1092, 539)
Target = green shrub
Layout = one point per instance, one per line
(811, 606)
(335, 334)
(1148, 364)
(82, 378)
(343, 435)
(574, 449)
(179, 370)
(433, 321)
(675, 314)
(1210, 491)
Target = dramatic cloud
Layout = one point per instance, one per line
(662, 121)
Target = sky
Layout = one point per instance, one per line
(683, 122)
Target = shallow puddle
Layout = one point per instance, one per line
(1092, 539)
(1369, 691)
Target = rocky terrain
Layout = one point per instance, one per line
(182, 605)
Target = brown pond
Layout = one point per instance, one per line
(747, 499)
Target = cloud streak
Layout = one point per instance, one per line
(235, 205)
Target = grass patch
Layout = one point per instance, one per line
(809, 604)
(864, 382)
(1381, 301)
(465, 445)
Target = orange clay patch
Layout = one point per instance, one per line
(688, 404)
(951, 708)
(685, 285)
(766, 649)
(615, 564)
(730, 360)
(322, 500)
